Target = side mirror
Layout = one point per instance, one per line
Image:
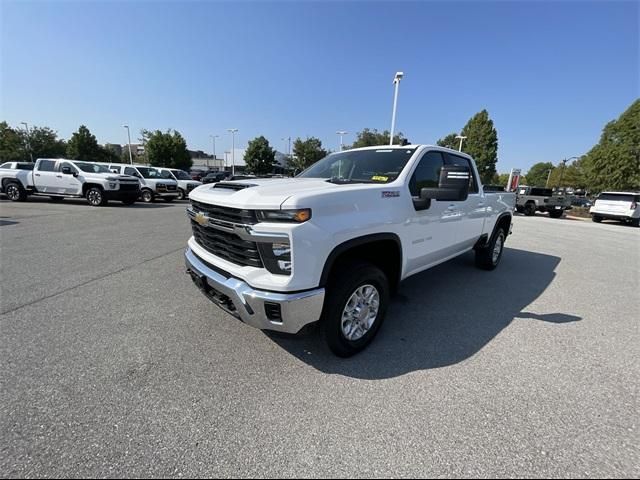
(67, 170)
(452, 187)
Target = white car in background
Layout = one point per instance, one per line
(185, 182)
(621, 206)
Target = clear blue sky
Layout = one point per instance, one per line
(551, 74)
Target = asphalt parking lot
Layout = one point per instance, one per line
(115, 365)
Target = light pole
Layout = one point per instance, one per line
(213, 138)
(341, 133)
(461, 139)
(396, 82)
(26, 127)
(233, 149)
(564, 165)
(129, 137)
(289, 139)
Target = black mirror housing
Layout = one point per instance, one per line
(452, 187)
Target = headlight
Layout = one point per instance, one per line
(292, 216)
(276, 257)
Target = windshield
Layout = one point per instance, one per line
(148, 172)
(361, 166)
(166, 174)
(181, 175)
(92, 167)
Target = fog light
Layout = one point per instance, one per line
(284, 265)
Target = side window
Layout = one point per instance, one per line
(47, 166)
(427, 173)
(464, 162)
(5, 165)
(130, 171)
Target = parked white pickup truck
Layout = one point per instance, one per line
(333, 243)
(59, 178)
(152, 184)
(185, 182)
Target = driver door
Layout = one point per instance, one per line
(70, 184)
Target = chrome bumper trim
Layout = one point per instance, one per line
(297, 309)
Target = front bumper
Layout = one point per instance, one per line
(256, 307)
(165, 194)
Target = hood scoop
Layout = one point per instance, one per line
(234, 186)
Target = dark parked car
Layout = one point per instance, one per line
(581, 202)
(214, 177)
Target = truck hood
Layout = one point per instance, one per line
(261, 193)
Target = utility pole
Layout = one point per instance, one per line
(129, 137)
(213, 138)
(28, 138)
(233, 149)
(341, 133)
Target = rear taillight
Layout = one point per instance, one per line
(634, 205)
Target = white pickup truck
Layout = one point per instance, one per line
(333, 243)
(59, 178)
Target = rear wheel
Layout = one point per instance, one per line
(147, 196)
(488, 257)
(555, 213)
(355, 308)
(15, 192)
(96, 197)
(596, 219)
(530, 209)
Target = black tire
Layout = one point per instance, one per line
(56, 199)
(635, 222)
(530, 209)
(485, 256)
(596, 218)
(555, 213)
(343, 285)
(129, 201)
(181, 194)
(95, 197)
(15, 192)
(146, 195)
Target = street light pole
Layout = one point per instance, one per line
(26, 127)
(341, 133)
(213, 138)
(289, 149)
(129, 137)
(461, 139)
(396, 82)
(233, 149)
(564, 165)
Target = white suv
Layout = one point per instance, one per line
(617, 206)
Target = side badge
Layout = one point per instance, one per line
(390, 193)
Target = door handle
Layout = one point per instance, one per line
(37, 174)
(59, 176)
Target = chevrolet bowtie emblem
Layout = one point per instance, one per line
(201, 218)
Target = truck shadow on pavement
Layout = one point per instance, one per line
(442, 317)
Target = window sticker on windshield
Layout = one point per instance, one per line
(379, 178)
(390, 194)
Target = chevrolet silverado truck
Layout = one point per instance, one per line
(184, 180)
(537, 199)
(153, 184)
(59, 178)
(332, 244)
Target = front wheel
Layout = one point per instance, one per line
(15, 192)
(355, 307)
(95, 197)
(488, 257)
(530, 209)
(147, 196)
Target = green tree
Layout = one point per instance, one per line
(306, 153)
(259, 156)
(168, 149)
(372, 138)
(449, 141)
(571, 175)
(84, 146)
(482, 143)
(614, 163)
(538, 173)
(44, 143)
(12, 146)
